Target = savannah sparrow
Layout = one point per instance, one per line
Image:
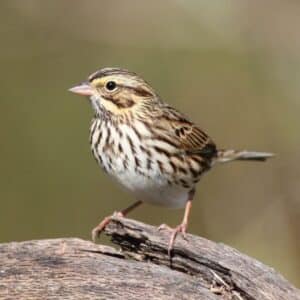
(147, 146)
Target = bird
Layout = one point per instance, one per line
(147, 146)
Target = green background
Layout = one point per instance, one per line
(232, 66)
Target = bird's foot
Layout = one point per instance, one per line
(100, 227)
(174, 232)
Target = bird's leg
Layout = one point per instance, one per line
(99, 228)
(181, 228)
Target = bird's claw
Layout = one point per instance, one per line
(100, 227)
(174, 232)
(164, 227)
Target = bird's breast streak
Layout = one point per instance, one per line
(133, 164)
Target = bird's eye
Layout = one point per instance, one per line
(111, 85)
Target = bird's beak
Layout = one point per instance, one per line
(83, 89)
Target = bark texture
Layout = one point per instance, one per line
(72, 268)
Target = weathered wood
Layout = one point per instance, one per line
(76, 269)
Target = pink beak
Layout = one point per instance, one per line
(83, 89)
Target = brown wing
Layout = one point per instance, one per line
(194, 140)
(189, 137)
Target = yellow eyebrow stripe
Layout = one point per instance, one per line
(99, 81)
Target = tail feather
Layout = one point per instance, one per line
(231, 155)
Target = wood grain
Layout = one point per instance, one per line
(76, 269)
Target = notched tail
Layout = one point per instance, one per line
(231, 155)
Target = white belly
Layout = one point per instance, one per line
(154, 190)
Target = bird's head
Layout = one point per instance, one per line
(115, 91)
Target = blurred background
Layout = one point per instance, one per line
(232, 66)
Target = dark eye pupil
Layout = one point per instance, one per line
(111, 85)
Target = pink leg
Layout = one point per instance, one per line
(100, 227)
(180, 228)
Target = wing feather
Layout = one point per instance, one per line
(188, 136)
